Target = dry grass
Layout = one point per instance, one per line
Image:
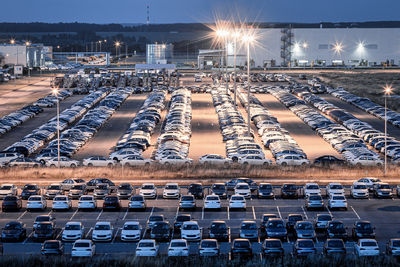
(198, 173)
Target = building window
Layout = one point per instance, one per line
(323, 46)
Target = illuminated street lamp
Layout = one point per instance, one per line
(117, 45)
(235, 35)
(248, 39)
(100, 45)
(55, 93)
(12, 41)
(387, 90)
(27, 43)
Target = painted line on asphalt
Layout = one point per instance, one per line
(73, 215)
(19, 218)
(202, 213)
(126, 213)
(329, 211)
(90, 230)
(229, 215)
(29, 236)
(279, 212)
(254, 212)
(115, 236)
(304, 211)
(101, 212)
(355, 212)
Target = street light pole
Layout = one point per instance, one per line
(235, 35)
(55, 92)
(248, 86)
(388, 90)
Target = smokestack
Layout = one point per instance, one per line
(148, 15)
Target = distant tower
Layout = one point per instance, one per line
(148, 15)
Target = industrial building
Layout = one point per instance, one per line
(159, 53)
(314, 47)
(26, 54)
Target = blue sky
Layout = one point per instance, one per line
(170, 11)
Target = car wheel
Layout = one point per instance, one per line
(109, 165)
(52, 166)
(303, 164)
(42, 162)
(358, 165)
(90, 165)
(284, 164)
(147, 164)
(127, 165)
(245, 163)
(235, 159)
(116, 159)
(73, 165)
(166, 163)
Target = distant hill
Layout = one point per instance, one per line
(177, 27)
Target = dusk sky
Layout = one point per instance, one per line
(170, 11)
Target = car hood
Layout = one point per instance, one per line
(11, 232)
(71, 232)
(101, 232)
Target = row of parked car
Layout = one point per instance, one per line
(137, 138)
(363, 132)
(351, 146)
(173, 143)
(34, 141)
(240, 144)
(284, 148)
(12, 120)
(367, 105)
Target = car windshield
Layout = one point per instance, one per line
(325, 218)
(102, 227)
(265, 187)
(161, 226)
(208, 244)
(5, 187)
(218, 226)
(171, 187)
(10, 198)
(306, 244)
(241, 244)
(195, 187)
(295, 218)
(124, 187)
(77, 187)
(275, 224)
(212, 198)
(43, 226)
(384, 186)
(364, 226)
(187, 198)
(182, 218)
(267, 217)
(336, 226)
(35, 198)
(131, 227)
(29, 187)
(178, 244)
(218, 187)
(338, 198)
(102, 187)
(137, 198)
(336, 243)
(190, 227)
(51, 245)
(42, 219)
(81, 245)
(156, 219)
(111, 199)
(313, 187)
(289, 187)
(148, 186)
(336, 187)
(146, 244)
(87, 198)
(249, 226)
(304, 226)
(273, 244)
(12, 226)
(396, 243)
(54, 187)
(72, 227)
(360, 186)
(242, 186)
(368, 244)
(315, 197)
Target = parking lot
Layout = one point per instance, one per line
(384, 214)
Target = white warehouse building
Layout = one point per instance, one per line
(322, 47)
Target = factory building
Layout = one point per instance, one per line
(26, 54)
(159, 53)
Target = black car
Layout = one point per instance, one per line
(180, 219)
(196, 190)
(336, 229)
(241, 247)
(265, 191)
(334, 247)
(161, 231)
(289, 191)
(264, 220)
(91, 185)
(219, 230)
(219, 189)
(52, 247)
(11, 203)
(275, 228)
(124, 190)
(43, 231)
(328, 160)
(363, 229)
(292, 220)
(30, 190)
(111, 202)
(13, 231)
(272, 247)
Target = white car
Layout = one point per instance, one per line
(64, 162)
(369, 181)
(359, 190)
(36, 203)
(148, 190)
(137, 202)
(366, 247)
(334, 189)
(337, 202)
(8, 190)
(68, 183)
(175, 160)
(119, 155)
(212, 202)
(73, 231)
(290, 160)
(98, 161)
(254, 160)
(237, 202)
(131, 231)
(191, 231)
(6, 157)
(83, 248)
(147, 248)
(171, 190)
(178, 247)
(366, 161)
(53, 190)
(103, 231)
(243, 189)
(209, 247)
(61, 202)
(214, 159)
(87, 202)
(135, 161)
(312, 189)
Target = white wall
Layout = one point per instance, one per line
(14, 54)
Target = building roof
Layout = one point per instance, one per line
(154, 66)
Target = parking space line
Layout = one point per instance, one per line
(177, 211)
(101, 212)
(254, 212)
(126, 213)
(59, 234)
(279, 212)
(229, 215)
(202, 213)
(115, 236)
(355, 212)
(87, 235)
(73, 215)
(21, 215)
(304, 211)
(29, 236)
(329, 211)
(48, 214)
